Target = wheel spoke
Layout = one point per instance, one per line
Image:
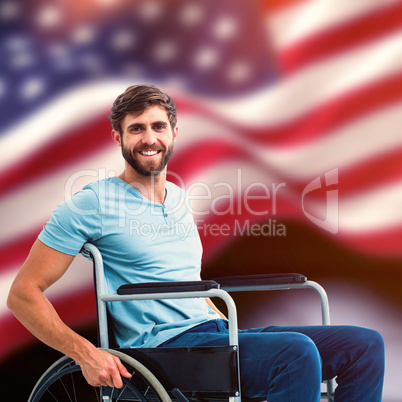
(65, 388)
(63, 382)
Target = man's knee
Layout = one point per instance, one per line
(371, 345)
(301, 347)
(364, 339)
(279, 365)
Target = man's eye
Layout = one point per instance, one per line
(159, 127)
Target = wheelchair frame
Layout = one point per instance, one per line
(65, 364)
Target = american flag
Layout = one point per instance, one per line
(295, 105)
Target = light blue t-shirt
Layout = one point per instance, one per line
(140, 241)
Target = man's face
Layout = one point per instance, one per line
(147, 141)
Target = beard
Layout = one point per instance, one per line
(147, 168)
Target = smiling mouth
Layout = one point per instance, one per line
(149, 153)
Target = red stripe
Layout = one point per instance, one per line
(344, 36)
(385, 169)
(332, 114)
(70, 147)
(384, 242)
(272, 6)
(376, 172)
(14, 252)
(326, 117)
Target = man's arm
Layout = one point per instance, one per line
(43, 267)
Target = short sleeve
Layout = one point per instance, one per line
(73, 223)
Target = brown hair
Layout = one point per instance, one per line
(137, 98)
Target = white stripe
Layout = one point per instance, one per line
(29, 207)
(70, 110)
(375, 134)
(309, 18)
(373, 210)
(268, 107)
(61, 116)
(314, 85)
(369, 136)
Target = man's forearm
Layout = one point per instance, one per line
(36, 313)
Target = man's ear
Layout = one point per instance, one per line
(176, 129)
(116, 137)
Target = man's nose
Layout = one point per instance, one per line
(149, 137)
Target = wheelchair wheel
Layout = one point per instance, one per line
(64, 382)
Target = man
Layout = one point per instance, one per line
(280, 363)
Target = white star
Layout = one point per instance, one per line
(17, 43)
(92, 63)
(83, 35)
(32, 88)
(9, 10)
(225, 28)
(60, 56)
(133, 70)
(49, 17)
(165, 51)
(123, 40)
(239, 72)
(206, 58)
(150, 10)
(191, 14)
(58, 50)
(21, 59)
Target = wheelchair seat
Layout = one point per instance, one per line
(168, 374)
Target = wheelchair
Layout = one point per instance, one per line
(169, 374)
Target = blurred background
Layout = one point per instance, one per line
(290, 142)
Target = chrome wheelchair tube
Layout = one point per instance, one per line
(324, 300)
(232, 312)
(100, 290)
(231, 307)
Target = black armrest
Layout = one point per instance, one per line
(166, 287)
(227, 282)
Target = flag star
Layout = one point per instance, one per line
(123, 40)
(150, 10)
(32, 88)
(239, 72)
(191, 14)
(83, 35)
(57, 50)
(17, 43)
(165, 51)
(49, 17)
(60, 56)
(9, 10)
(92, 63)
(132, 70)
(225, 28)
(206, 58)
(21, 60)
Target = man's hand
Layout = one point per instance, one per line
(103, 369)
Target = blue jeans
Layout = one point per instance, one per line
(288, 363)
